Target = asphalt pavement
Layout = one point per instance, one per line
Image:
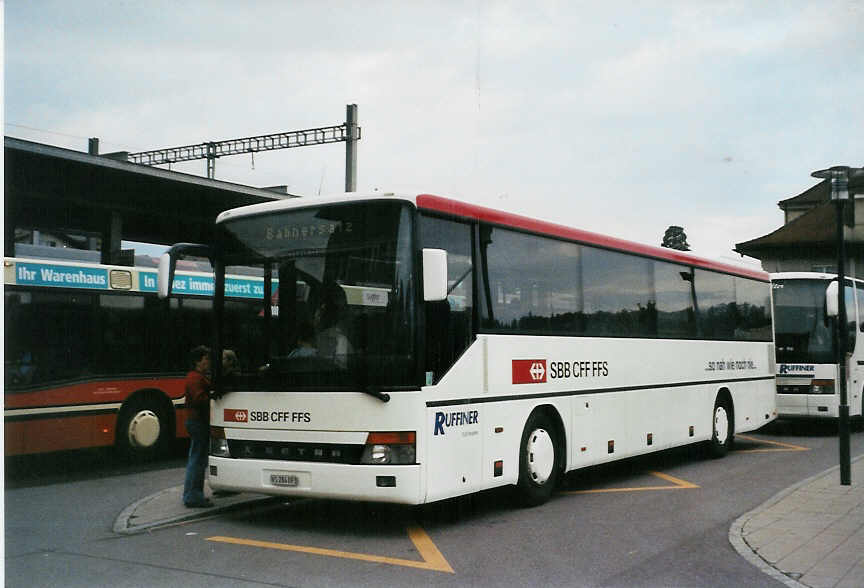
(811, 534)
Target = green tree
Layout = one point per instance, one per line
(675, 238)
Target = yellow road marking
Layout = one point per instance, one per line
(678, 484)
(780, 446)
(432, 558)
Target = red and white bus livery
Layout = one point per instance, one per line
(419, 348)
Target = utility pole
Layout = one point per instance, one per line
(348, 132)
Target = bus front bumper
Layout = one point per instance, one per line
(807, 405)
(394, 483)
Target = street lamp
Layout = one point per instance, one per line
(839, 176)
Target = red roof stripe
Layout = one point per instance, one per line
(490, 215)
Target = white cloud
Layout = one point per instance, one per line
(620, 118)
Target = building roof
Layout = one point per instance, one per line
(816, 227)
(821, 192)
(810, 197)
(50, 187)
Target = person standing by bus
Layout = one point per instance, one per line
(198, 427)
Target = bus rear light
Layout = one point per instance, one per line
(822, 387)
(390, 448)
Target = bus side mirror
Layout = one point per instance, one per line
(832, 308)
(434, 275)
(168, 263)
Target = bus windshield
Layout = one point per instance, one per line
(340, 314)
(802, 333)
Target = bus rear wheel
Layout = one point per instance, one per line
(722, 431)
(142, 428)
(539, 461)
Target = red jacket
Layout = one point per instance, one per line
(197, 398)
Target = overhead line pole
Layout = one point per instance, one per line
(348, 132)
(353, 132)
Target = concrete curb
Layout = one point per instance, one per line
(124, 524)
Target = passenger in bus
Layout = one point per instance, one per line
(331, 340)
(305, 341)
(230, 369)
(198, 427)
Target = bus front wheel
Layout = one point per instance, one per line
(722, 431)
(539, 461)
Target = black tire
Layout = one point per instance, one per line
(143, 428)
(539, 461)
(722, 429)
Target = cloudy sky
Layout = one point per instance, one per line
(617, 117)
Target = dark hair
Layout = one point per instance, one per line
(197, 353)
(305, 332)
(333, 302)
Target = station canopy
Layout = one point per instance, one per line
(50, 188)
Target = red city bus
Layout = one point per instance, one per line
(93, 358)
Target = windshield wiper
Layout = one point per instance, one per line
(382, 396)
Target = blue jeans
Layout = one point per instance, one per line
(199, 436)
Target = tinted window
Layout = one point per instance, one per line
(541, 285)
(534, 283)
(619, 294)
(753, 306)
(675, 317)
(48, 336)
(715, 298)
(343, 315)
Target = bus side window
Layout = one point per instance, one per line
(19, 366)
(715, 299)
(675, 315)
(126, 345)
(62, 334)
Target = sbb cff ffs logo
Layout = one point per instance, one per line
(529, 371)
(236, 416)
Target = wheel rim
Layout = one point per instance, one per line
(144, 429)
(721, 425)
(540, 454)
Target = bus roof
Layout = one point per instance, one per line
(807, 276)
(461, 209)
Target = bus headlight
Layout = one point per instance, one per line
(822, 387)
(390, 448)
(218, 443)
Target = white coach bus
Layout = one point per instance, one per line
(430, 348)
(805, 332)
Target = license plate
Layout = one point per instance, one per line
(289, 480)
